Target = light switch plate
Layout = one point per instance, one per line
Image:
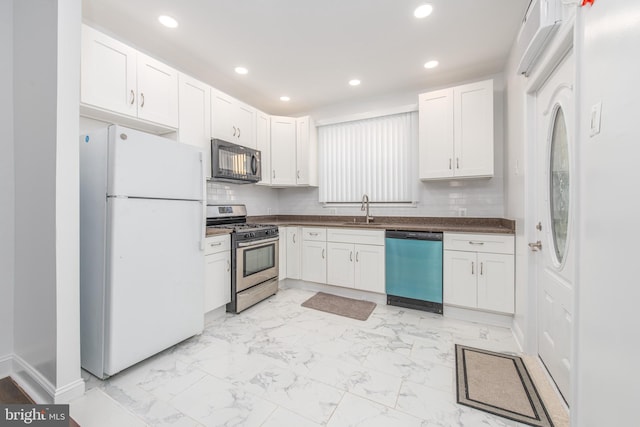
(596, 112)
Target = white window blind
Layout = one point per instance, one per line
(371, 156)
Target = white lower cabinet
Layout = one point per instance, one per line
(355, 259)
(314, 254)
(369, 272)
(293, 252)
(340, 264)
(478, 271)
(282, 253)
(217, 258)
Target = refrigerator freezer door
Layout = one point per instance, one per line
(145, 165)
(155, 278)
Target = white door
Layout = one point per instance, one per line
(460, 286)
(157, 91)
(473, 129)
(283, 151)
(436, 134)
(554, 247)
(107, 73)
(340, 271)
(314, 261)
(369, 272)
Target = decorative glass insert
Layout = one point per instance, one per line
(559, 184)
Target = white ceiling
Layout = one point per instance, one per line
(310, 49)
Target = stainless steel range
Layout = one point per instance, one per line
(254, 255)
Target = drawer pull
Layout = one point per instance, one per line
(471, 242)
(313, 234)
(215, 244)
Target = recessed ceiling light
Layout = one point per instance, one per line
(431, 64)
(168, 21)
(285, 98)
(423, 11)
(354, 82)
(241, 70)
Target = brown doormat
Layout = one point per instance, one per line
(347, 307)
(500, 384)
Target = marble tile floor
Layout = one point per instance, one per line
(278, 364)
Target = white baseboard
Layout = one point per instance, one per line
(518, 335)
(334, 290)
(478, 316)
(39, 388)
(5, 365)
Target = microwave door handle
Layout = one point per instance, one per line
(254, 164)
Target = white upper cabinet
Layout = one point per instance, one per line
(456, 132)
(294, 160)
(115, 78)
(263, 143)
(283, 151)
(232, 120)
(195, 116)
(306, 152)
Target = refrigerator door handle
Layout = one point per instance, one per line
(203, 228)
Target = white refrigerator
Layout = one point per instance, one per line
(142, 225)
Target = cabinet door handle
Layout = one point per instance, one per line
(357, 253)
(472, 268)
(238, 132)
(449, 163)
(294, 237)
(457, 163)
(133, 97)
(481, 267)
(323, 254)
(298, 174)
(274, 173)
(234, 130)
(351, 256)
(141, 99)
(228, 265)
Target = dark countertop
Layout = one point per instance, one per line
(460, 224)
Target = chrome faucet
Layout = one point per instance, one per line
(365, 206)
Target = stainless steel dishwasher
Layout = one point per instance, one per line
(414, 270)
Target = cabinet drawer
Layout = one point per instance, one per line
(493, 243)
(314, 233)
(356, 236)
(217, 244)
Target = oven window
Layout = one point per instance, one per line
(258, 259)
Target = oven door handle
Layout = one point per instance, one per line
(257, 242)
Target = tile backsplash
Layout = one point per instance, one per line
(474, 198)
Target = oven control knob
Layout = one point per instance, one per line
(246, 236)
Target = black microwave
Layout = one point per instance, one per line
(234, 163)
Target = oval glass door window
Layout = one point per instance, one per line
(559, 185)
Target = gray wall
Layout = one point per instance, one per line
(6, 185)
(45, 122)
(35, 115)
